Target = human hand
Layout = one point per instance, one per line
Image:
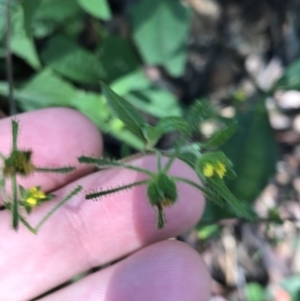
(84, 234)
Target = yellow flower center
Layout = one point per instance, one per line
(34, 196)
(208, 170)
(219, 168)
(32, 202)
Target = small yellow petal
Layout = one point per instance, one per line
(220, 169)
(31, 201)
(208, 170)
(33, 189)
(39, 195)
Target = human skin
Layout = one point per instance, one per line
(84, 234)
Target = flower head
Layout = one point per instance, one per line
(208, 170)
(19, 162)
(34, 196)
(217, 168)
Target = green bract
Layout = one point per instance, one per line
(162, 191)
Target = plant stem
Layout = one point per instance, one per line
(109, 191)
(9, 64)
(63, 201)
(15, 209)
(27, 225)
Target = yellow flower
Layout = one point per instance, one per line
(219, 168)
(208, 170)
(34, 196)
(32, 202)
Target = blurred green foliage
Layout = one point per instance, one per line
(71, 46)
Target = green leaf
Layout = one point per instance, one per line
(234, 204)
(188, 157)
(132, 81)
(155, 102)
(29, 9)
(117, 63)
(97, 8)
(73, 62)
(221, 136)
(253, 152)
(199, 111)
(172, 124)
(44, 90)
(124, 111)
(22, 45)
(151, 134)
(291, 77)
(160, 29)
(52, 14)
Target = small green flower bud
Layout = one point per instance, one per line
(19, 162)
(162, 191)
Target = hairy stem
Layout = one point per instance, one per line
(15, 209)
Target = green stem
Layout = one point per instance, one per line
(202, 189)
(15, 209)
(57, 170)
(27, 225)
(109, 191)
(62, 202)
(114, 164)
(15, 130)
(158, 154)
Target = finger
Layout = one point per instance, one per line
(169, 271)
(85, 234)
(57, 136)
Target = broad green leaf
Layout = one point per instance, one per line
(199, 111)
(176, 62)
(291, 77)
(253, 152)
(95, 107)
(22, 45)
(160, 30)
(73, 62)
(221, 136)
(24, 48)
(124, 111)
(118, 57)
(155, 102)
(172, 124)
(29, 9)
(53, 14)
(44, 90)
(233, 203)
(97, 8)
(57, 10)
(189, 158)
(151, 134)
(132, 81)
